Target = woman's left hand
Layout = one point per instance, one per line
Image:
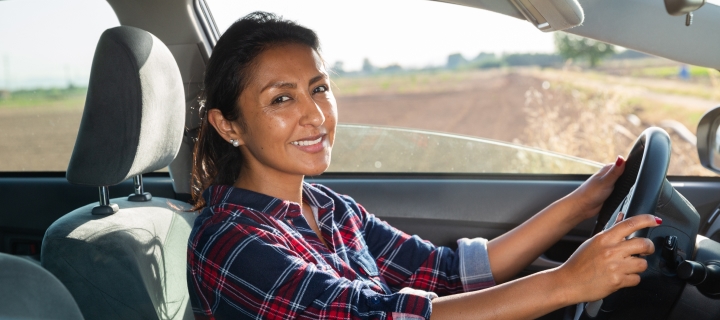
(590, 196)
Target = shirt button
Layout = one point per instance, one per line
(375, 301)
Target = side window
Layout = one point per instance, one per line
(45, 57)
(425, 86)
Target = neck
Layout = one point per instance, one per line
(276, 184)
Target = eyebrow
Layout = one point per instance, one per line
(280, 85)
(318, 78)
(291, 85)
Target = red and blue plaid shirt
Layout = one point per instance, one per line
(254, 256)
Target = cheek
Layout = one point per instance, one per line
(331, 118)
(269, 130)
(330, 110)
(278, 127)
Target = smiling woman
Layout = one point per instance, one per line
(269, 120)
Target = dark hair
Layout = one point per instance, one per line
(215, 161)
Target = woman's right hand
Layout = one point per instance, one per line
(607, 262)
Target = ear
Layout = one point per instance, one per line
(228, 130)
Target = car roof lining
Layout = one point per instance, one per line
(617, 22)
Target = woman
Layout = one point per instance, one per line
(269, 245)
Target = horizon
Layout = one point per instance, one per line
(386, 41)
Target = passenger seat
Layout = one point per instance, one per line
(125, 258)
(28, 291)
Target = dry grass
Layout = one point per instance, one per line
(594, 125)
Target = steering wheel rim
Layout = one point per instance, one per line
(643, 178)
(637, 190)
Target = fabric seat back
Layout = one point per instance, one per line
(129, 261)
(28, 291)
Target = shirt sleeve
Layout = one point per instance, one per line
(408, 261)
(252, 272)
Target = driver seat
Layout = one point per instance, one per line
(125, 258)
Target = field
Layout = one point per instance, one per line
(592, 114)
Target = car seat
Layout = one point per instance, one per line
(28, 291)
(125, 258)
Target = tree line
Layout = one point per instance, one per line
(568, 47)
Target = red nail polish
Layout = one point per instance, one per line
(619, 162)
(658, 220)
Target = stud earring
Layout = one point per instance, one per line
(235, 143)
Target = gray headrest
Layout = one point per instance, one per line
(134, 114)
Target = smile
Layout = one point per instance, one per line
(307, 142)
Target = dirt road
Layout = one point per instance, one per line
(488, 108)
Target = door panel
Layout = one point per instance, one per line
(439, 208)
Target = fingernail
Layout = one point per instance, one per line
(619, 162)
(658, 220)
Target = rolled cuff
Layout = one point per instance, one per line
(475, 273)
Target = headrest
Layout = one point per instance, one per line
(134, 113)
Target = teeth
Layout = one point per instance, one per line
(306, 143)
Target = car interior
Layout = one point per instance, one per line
(107, 238)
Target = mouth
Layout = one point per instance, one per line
(309, 141)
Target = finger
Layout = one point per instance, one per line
(635, 265)
(624, 228)
(616, 169)
(601, 173)
(630, 280)
(635, 246)
(619, 218)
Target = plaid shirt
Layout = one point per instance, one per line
(254, 256)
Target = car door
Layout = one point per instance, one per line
(468, 141)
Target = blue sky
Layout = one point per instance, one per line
(50, 43)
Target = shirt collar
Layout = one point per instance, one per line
(278, 208)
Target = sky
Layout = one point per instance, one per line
(50, 43)
(412, 33)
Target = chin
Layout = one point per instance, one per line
(316, 171)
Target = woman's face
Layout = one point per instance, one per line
(289, 111)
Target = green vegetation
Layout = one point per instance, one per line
(491, 61)
(669, 71)
(570, 46)
(71, 97)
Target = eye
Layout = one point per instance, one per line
(321, 89)
(281, 99)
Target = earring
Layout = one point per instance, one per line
(235, 143)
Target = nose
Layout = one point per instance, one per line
(312, 113)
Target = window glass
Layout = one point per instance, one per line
(46, 52)
(425, 86)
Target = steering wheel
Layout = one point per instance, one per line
(637, 190)
(643, 188)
